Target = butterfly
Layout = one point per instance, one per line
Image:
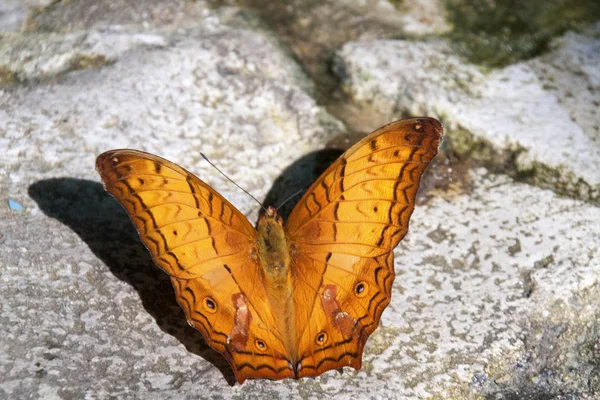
(284, 300)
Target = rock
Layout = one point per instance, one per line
(91, 303)
(422, 17)
(13, 13)
(42, 57)
(227, 92)
(314, 30)
(76, 15)
(67, 317)
(506, 117)
(497, 291)
(498, 318)
(571, 74)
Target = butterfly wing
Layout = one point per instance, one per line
(342, 234)
(206, 245)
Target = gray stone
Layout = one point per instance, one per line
(88, 313)
(227, 92)
(76, 15)
(43, 57)
(497, 292)
(511, 112)
(13, 13)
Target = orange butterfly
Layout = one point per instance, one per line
(282, 301)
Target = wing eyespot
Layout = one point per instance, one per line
(321, 338)
(209, 305)
(360, 289)
(260, 345)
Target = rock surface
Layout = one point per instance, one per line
(520, 114)
(13, 13)
(497, 292)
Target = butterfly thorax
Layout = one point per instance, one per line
(274, 259)
(272, 245)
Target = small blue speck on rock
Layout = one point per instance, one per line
(14, 205)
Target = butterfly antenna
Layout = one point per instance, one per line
(289, 198)
(231, 180)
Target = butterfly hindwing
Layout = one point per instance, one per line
(342, 311)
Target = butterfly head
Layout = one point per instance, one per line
(271, 212)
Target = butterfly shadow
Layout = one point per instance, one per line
(104, 226)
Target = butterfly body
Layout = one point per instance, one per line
(282, 300)
(274, 258)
